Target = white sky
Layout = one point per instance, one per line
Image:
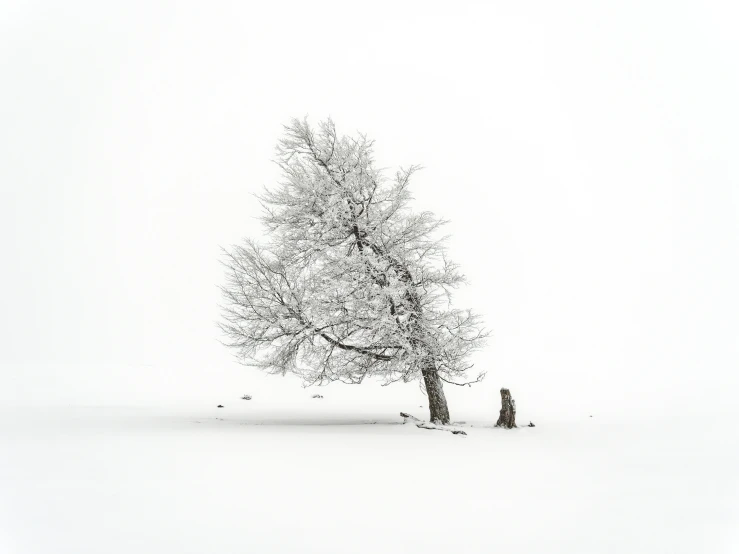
(586, 153)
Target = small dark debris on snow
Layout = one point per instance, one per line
(317, 396)
(531, 424)
(220, 405)
(458, 432)
(246, 397)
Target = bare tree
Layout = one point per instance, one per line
(348, 283)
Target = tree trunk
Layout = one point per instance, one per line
(507, 417)
(438, 408)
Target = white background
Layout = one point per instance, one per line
(585, 152)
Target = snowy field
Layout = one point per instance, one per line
(344, 476)
(585, 154)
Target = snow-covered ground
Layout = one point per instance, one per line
(342, 475)
(585, 156)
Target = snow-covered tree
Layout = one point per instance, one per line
(349, 283)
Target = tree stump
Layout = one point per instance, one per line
(507, 417)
